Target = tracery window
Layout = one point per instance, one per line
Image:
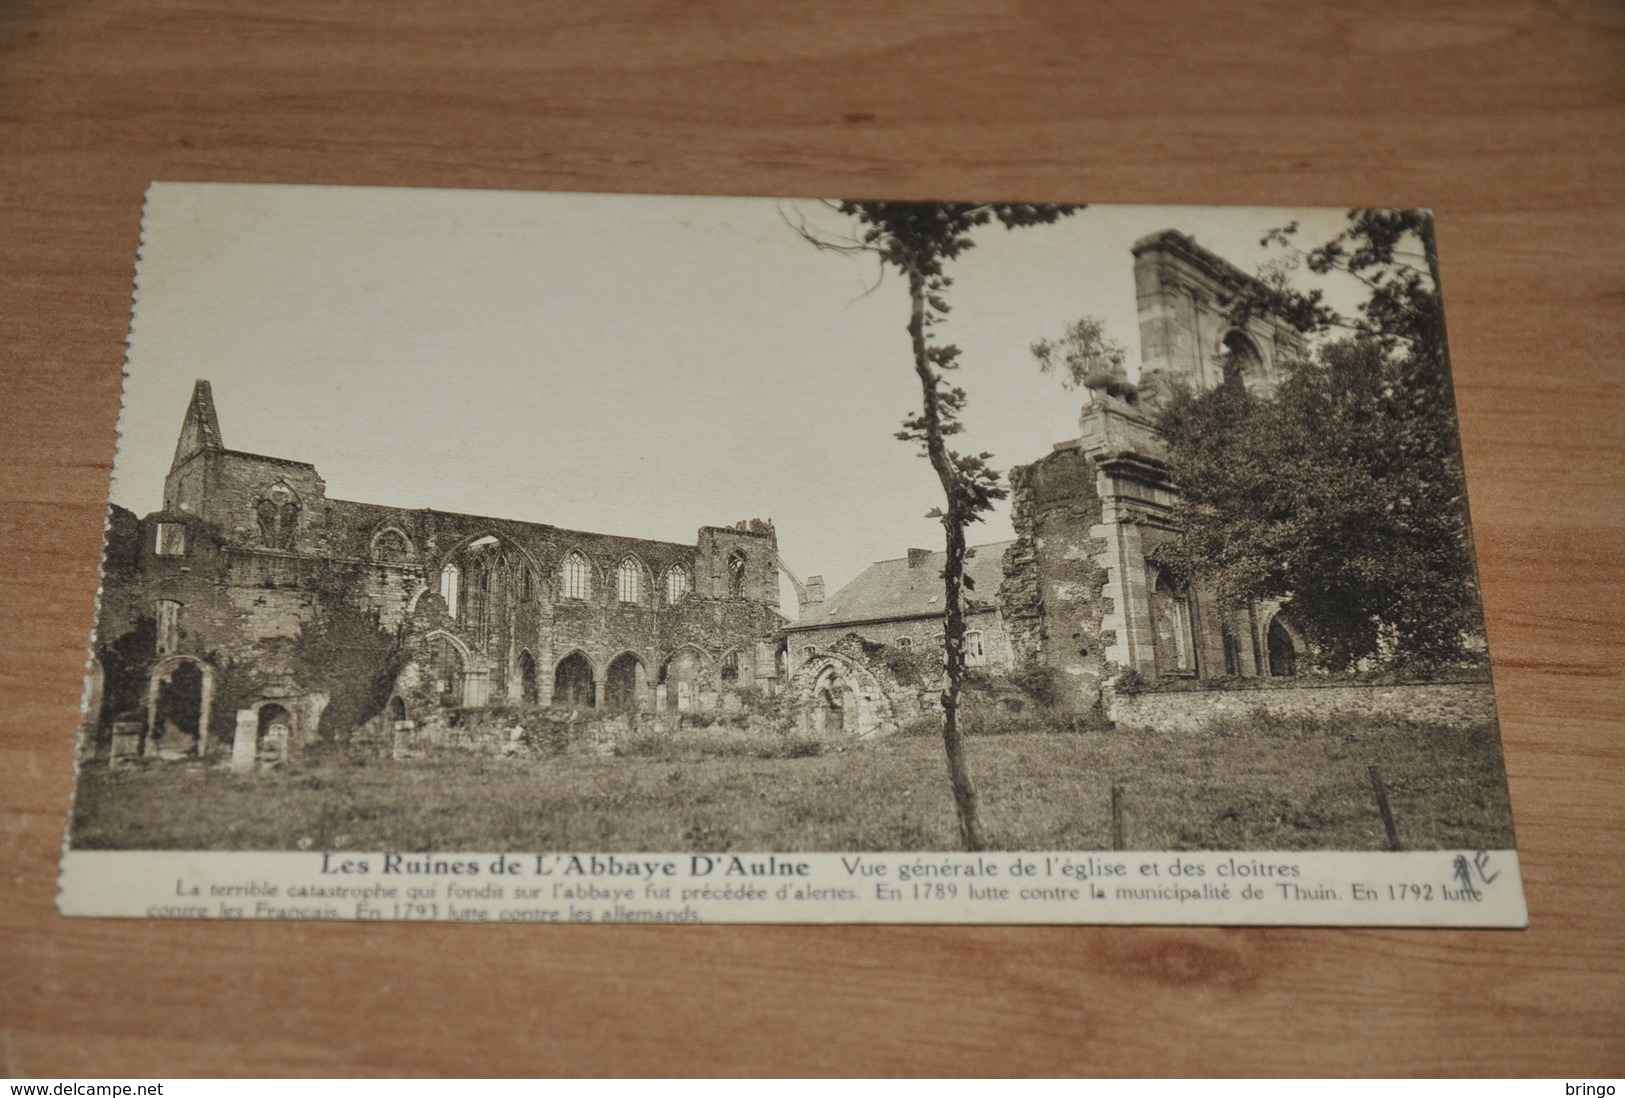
(678, 585)
(576, 577)
(629, 581)
(736, 574)
(278, 523)
(730, 667)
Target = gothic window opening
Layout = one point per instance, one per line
(278, 522)
(736, 574)
(629, 581)
(171, 541)
(391, 547)
(527, 585)
(169, 626)
(1241, 360)
(576, 577)
(730, 667)
(678, 586)
(450, 582)
(905, 642)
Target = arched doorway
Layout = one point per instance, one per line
(527, 678)
(1283, 649)
(684, 676)
(625, 683)
(837, 707)
(573, 681)
(275, 731)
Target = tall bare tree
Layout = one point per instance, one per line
(918, 240)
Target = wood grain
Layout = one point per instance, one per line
(1506, 118)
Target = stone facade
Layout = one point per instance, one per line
(217, 609)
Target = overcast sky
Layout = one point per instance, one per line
(625, 364)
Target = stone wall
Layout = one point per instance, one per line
(1458, 704)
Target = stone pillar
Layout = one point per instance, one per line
(660, 698)
(401, 745)
(243, 746)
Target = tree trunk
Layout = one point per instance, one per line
(954, 521)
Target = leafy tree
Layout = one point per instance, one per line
(918, 240)
(1344, 491)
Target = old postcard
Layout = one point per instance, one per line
(544, 557)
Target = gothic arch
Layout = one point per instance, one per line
(626, 682)
(596, 580)
(376, 550)
(669, 577)
(828, 683)
(645, 581)
(575, 680)
(1284, 646)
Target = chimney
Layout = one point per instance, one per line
(815, 590)
(917, 557)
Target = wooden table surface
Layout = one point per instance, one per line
(1506, 118)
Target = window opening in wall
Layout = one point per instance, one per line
(1171, 623)
(391, 547)
(1241, 359)
(576, 577)
(677, 586)
(527, 678)
(975, 652)
(629, 581)
(446, 668)
(736, 574)
(808, 652)
(278, 523)
(450, 579)
(169, 626)
(171, 539)
(1283, 652)
(730, 667)
(1232, 648)
(527, 585)
(905, 642)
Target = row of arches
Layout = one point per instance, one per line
(623, 684)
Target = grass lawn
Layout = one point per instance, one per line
(1270, 789)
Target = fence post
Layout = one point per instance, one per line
(1117, 816)
(1382, 805)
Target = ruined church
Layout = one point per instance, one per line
(254, 615)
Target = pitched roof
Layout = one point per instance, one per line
(890, 589)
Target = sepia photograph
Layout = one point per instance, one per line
(602, 524)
